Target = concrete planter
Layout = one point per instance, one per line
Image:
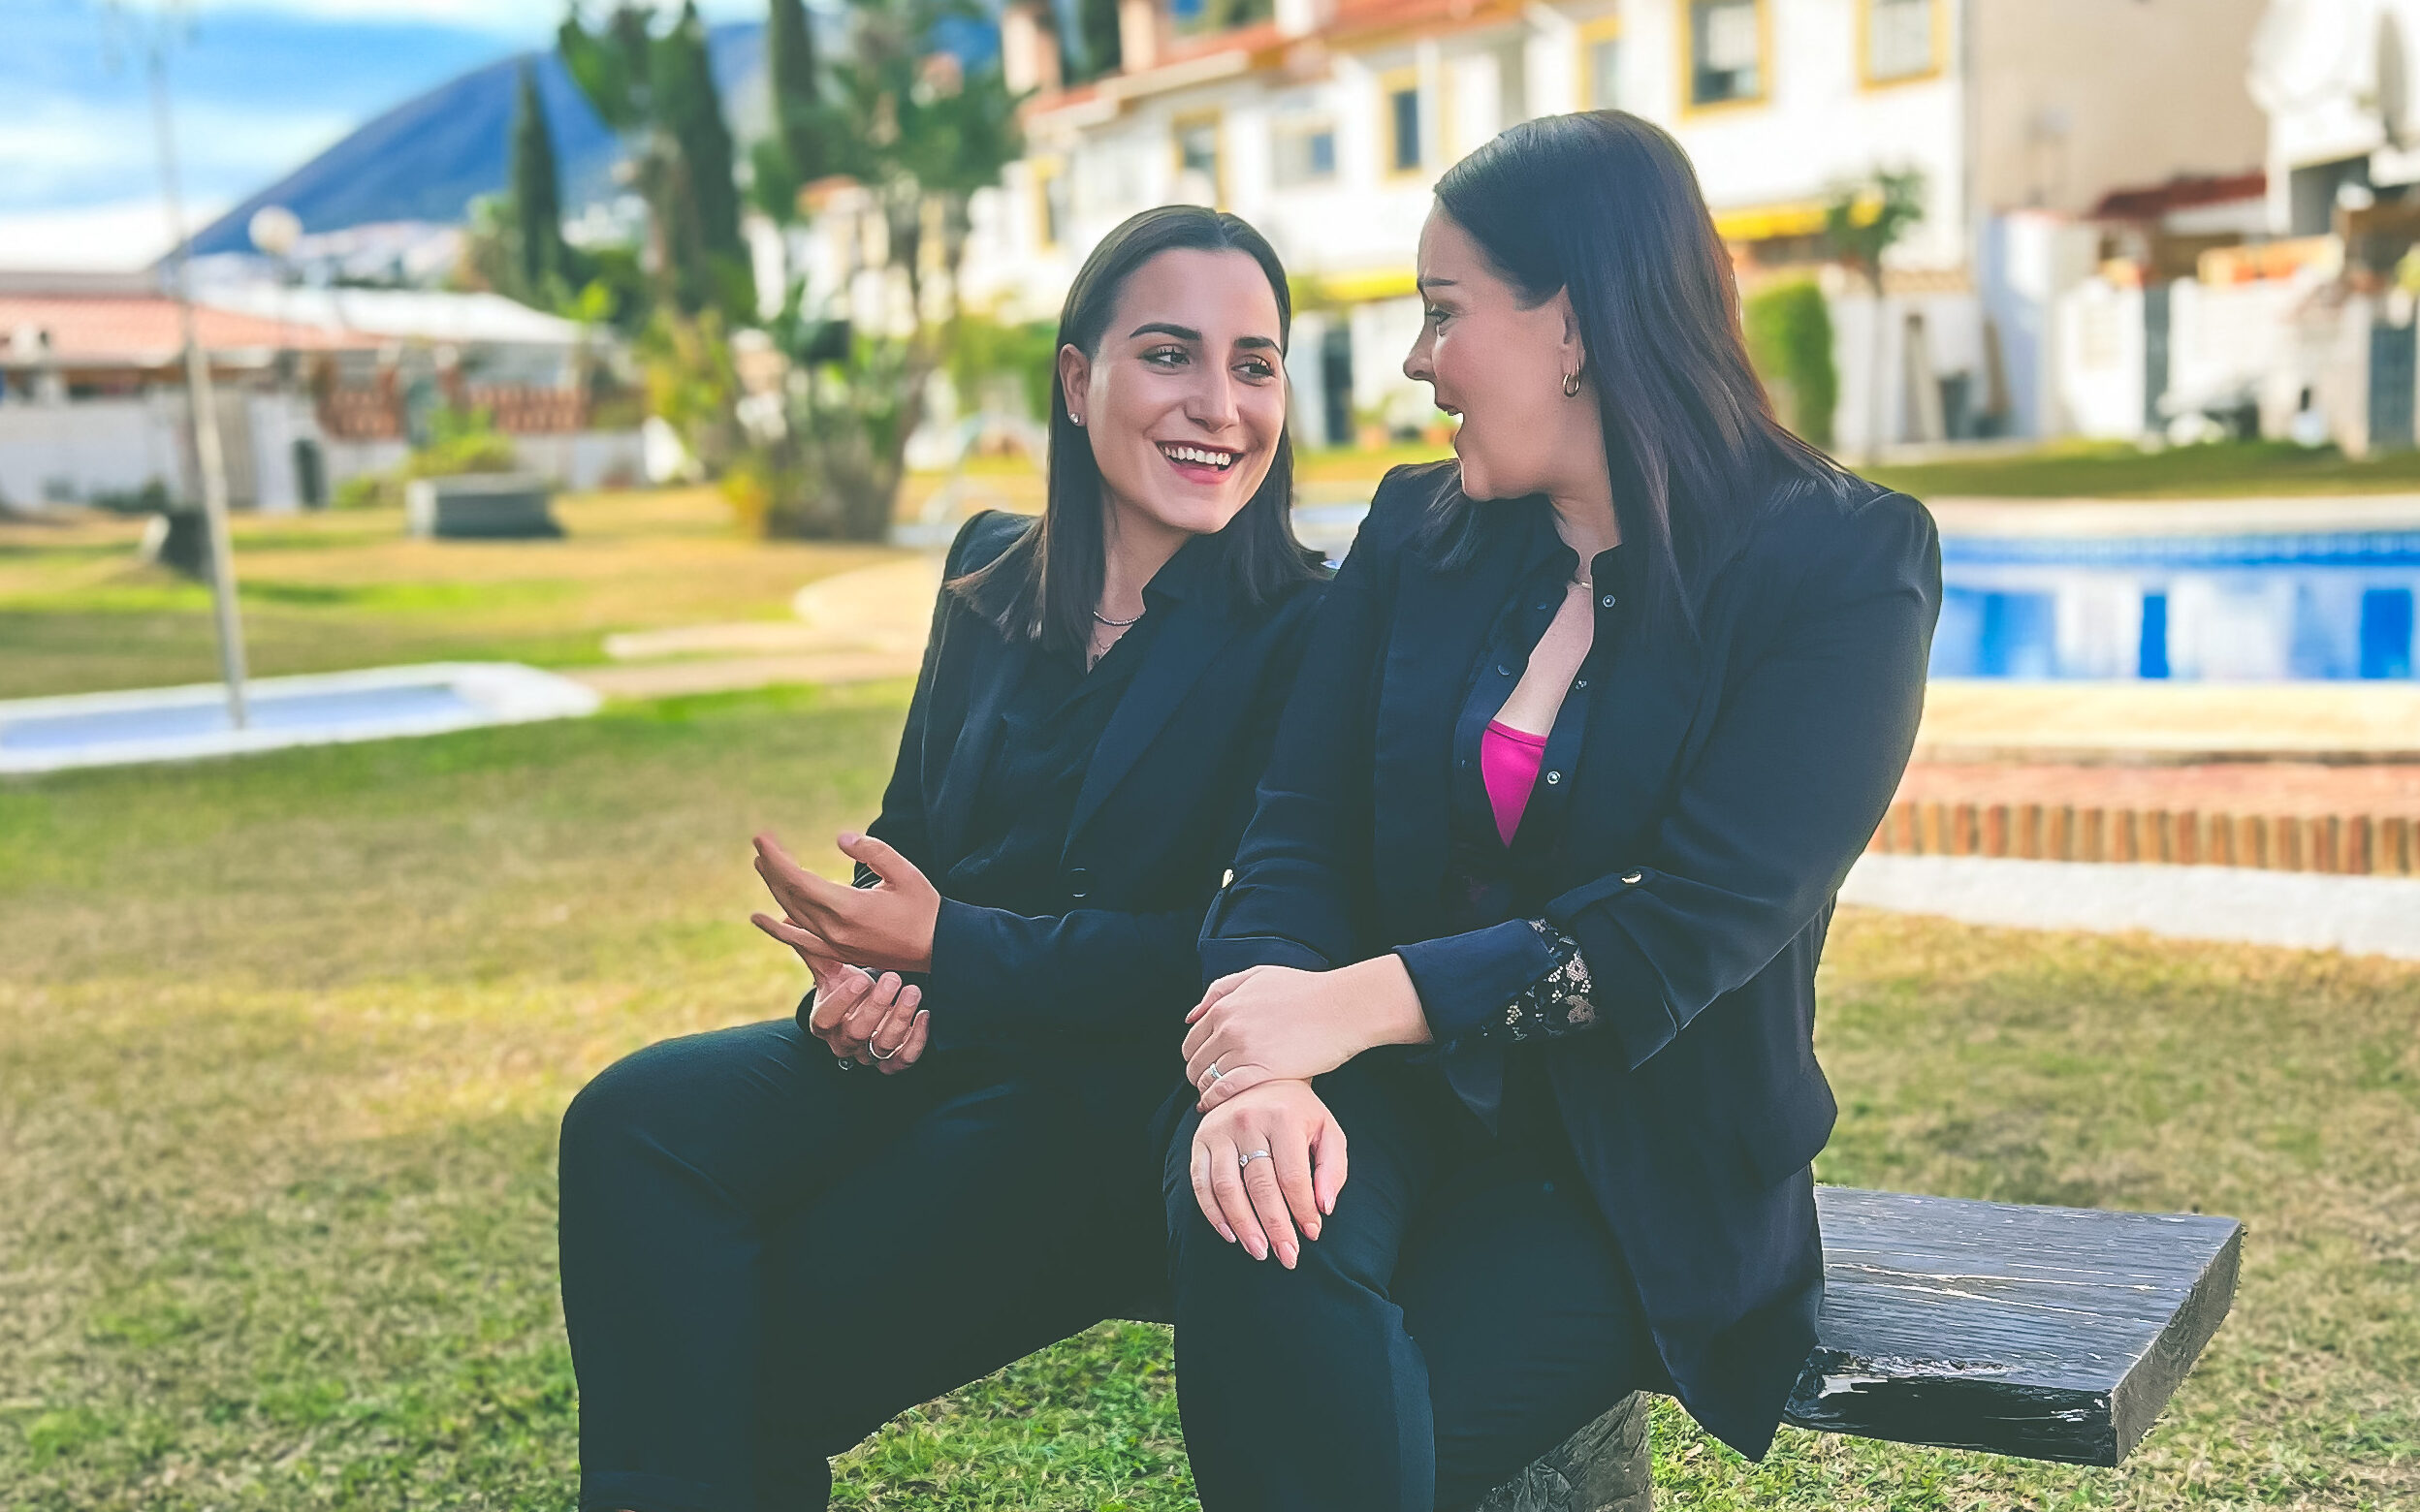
(480, 505)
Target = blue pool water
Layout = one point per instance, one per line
(2232, 607)
(325, 710)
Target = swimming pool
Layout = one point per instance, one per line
(2264, 607)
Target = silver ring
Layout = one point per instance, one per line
(1244, 1162)
(878, 1056)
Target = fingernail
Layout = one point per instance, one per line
(1224, 1232)
(1311, 1231)
(1286, 1255)
(1258, 1249)
(849, 839)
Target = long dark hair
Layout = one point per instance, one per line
(1605, 206)
(1047, 585)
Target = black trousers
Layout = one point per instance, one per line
(1463, 1312)
(766, 1256)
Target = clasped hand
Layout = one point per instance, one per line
(868, 1015)
(1278, 1024)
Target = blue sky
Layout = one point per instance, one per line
(258, 88)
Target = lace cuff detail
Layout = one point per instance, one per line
(1556, 1005)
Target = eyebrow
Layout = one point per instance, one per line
(1187, 333)
(1433, 283)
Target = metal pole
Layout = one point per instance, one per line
(206, 448)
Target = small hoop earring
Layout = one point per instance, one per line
(1570, 385)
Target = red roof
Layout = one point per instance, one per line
(2179, 194)
(141, 331)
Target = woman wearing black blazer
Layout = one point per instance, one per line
(1593, 725)
(777, 1237)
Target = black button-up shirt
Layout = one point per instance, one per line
(1026, 801)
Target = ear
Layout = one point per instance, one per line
(1573, 349)
(1076, 379)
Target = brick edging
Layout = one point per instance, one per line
(2342, 843)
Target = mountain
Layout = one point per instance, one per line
(426, 159)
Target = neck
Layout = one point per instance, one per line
(1134, 547)
(1583, 507)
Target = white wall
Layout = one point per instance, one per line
(69, 453)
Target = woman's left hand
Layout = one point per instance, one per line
(885, 928)
(1276, 1023)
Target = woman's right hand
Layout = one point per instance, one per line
(1258, 1204)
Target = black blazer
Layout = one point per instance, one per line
(1719, 798)
(1106, 961)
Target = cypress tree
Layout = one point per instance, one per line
(691, 106)
(537, 200)
(790, 63)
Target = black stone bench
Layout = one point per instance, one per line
(2043, 1333)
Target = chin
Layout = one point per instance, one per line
(1198, 514)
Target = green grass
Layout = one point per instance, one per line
(2120, 470)
(2065, 469)
(328, 592)
(284, 1041)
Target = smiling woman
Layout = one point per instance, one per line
(998, 1000)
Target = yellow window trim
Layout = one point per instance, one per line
(1391, 83)
(1216, 121)
(1044, 169)
(1604, 28)
(1786, 218)
(1385, 283)
(1690, 109)
(1865, 80)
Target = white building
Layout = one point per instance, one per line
(1326, 122)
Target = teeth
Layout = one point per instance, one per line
(1189, 454)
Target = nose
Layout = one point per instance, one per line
(1416, 362)
(1210, 404)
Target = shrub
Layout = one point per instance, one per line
(1789, 330)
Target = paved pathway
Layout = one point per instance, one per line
(854, 627)
(2358, 915)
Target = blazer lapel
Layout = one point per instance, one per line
(1183, 649)
(997, 665)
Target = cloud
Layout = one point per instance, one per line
(63, 153)
(115, 237)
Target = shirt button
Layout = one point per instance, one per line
(1553, 777)
(1607, 601)
(1504, 670)
(1633, 879)
(1580, 682)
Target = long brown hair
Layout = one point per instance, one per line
(1605, 206)
(1047, 585)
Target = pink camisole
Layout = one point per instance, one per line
(1509, 760)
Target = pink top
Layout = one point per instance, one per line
(1507, 762)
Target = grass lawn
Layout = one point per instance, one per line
(284, 1041)
(331, 591)
(2062, 469)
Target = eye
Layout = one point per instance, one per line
(1258, 368)
(1436, 316)
(1167, 355)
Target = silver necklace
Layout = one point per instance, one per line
(1115, 624)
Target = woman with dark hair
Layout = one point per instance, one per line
(1593, 725)
(777, 1237)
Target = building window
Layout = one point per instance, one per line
(1726, 51)
(1050, 200)
(1600, 65)
(1902, 39)
(1306, 154)
(1402, 94)
(1197, 153)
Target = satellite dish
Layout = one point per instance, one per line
(2306, 51)
(2394, 96)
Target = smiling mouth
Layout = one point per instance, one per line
(1188, 455)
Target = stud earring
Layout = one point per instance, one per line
(1073, 419)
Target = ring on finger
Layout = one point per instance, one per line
(895, 1050)
(1244, 1162)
